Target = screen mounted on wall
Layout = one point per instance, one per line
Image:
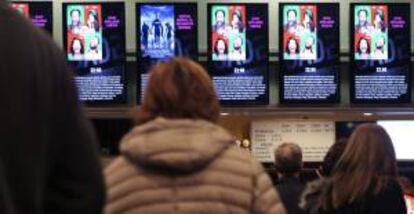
(94, 39)
(380, 53)
(309, 52)
(238, 52)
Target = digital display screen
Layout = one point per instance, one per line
(40, 13)
(309, 52)
(238, 52)
(164, 31)
(94, 37)
(380, 53)
(401, 136)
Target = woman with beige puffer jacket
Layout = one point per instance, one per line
(178, 161)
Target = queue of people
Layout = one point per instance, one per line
(176, 160)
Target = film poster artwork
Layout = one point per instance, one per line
(371, 32)
(299, 32)
(84, 32)
(228, 33)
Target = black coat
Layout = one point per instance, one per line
(48, 155)
(290, 189)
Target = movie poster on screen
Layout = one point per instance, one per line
(371, 32)
(158, 31)
(84, 32)
(22, 8)
(300, 32)
(164, 31)
(39, 13)
(228, 35)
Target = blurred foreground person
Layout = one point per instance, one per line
(177, 160)
(288, 161)
(364, 179)
(48, 155)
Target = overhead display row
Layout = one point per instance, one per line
(238, 49)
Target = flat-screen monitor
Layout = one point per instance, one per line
(238, 52)
(401, 136)
(309, 53)
(40, 13)
(164, 30)
(94, 39)
(380, 53)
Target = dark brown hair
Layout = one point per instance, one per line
(366, 166)
(179, 88)
(332, 156)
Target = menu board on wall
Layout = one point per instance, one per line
(309, 52)
(238, 52)
(380, 53)
(314, 137)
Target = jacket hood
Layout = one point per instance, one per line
(179, 145)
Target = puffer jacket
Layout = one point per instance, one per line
(186, 166)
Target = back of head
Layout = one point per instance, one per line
(179, 88)
(332, 156)
(288, 159)
(365, 167)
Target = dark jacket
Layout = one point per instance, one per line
(389, 200)
(47, 149)
(187, 166)
(290, 190)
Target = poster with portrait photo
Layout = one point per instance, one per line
(228, 32)
(40, 13)
(300, 32)
(22, 8)
(84, 24)
(371, 32)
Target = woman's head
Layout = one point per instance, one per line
(76, 46)
(308, 17)
(220, 47)
(237, 22)
(179, 88)
(379, 20)
(292, 46)
(370, 150)
(365, 167)
(93, 20)
(363, 46)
